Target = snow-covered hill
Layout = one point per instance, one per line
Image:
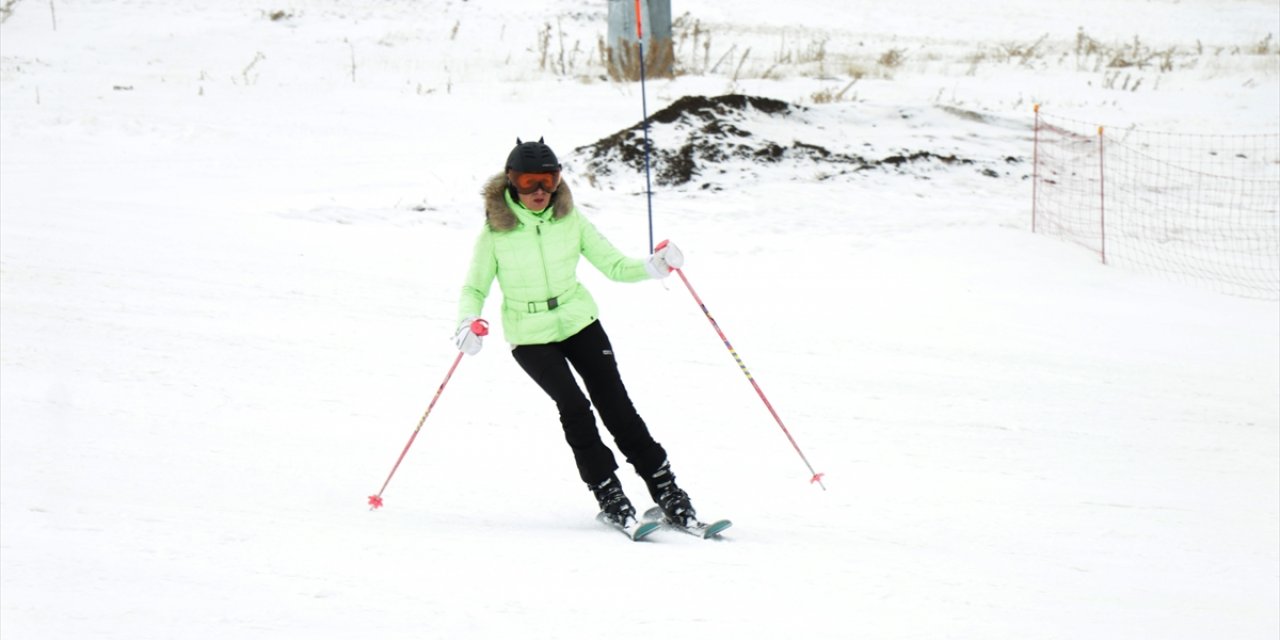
(232, 236)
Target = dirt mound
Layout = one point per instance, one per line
(702, 137)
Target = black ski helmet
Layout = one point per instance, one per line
(532, 157)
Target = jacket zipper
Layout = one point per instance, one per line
(546, 277)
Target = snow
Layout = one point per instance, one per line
(228, 288)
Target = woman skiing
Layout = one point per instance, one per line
(531, 242)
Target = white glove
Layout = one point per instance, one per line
(470, 335)
(665, 258)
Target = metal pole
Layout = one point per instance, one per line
(644, 106)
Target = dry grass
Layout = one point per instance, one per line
(698, 48)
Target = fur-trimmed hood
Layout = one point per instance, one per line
(499, 215)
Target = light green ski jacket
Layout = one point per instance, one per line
(534, 257)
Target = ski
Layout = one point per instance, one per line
(699, 528)
(636, 530)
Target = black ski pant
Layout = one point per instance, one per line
(591, 355)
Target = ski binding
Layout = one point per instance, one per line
(636, 530)
(701, 529)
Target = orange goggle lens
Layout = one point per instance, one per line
(527, 183)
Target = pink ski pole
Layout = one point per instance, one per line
(478, 327)
(815, 477)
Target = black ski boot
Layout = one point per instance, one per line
(614, 505)
(674, 502)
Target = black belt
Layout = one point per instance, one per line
(551, 304)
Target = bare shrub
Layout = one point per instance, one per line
(892, 59)
(827, 95)
(1023, 53)
(1262, 47)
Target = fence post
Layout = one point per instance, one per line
(1102, 197)
(623, 46)
(1035, 168)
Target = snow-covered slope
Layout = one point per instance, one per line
(230, 249)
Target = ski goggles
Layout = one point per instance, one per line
(527, 183)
